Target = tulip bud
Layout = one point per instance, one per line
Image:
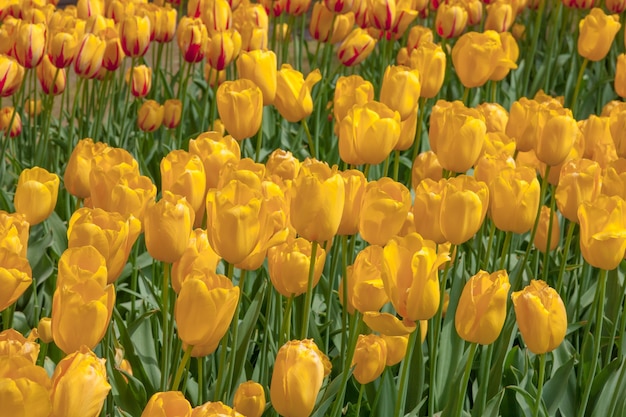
(540, 316)
(223, 48)
(400, 90)
(44, 329)
(615, 6)
(322, 22)
(36, 194)
(217, 16)
(383, 210)
(366, 291)
(382, 13)
(289, 265)
(240, 106)
(10, 120)
(293, 93)
(11, 76)
(620, 76)
(167, 404)
(299, 371)
(172, 112)
(51, 78)
(603, 231)
(79, 385)
(350, 91)
(451, 20)
(260, 67)
(192, 38)
(76, 177)
(556, 139)
(357, 46)
(463, 208)
(215, 152)
(205, 295)
(481, 311)
(168, 226)
(30, 44)
(113, 53)
(500, 16)
(597, 32)
(430, 62)
(580, 181)
(165, 24)
(514, 199)
(135, 35)
(150, 116)
(370, 357)
(61, 49)
(140, 80)
(89, 56)
(249, 399)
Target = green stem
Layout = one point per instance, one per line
(165, 291)
(528, 64)
(542, 373)
(579, 81)
(485, 364)
(465, 380)
(259, 141)
(466, 92)
(133, 63)
(505, 249)
(181, 367)
(396, 165)
(200, 362)
(601, 291)
(358, 402)
(285, 331)
(420, 120)
(235, 333)
(312, 148)
(568, 241)
(402, 389)
(309, 293)
(355, 323)
(492, 232)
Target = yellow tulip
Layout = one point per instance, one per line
(192, 38)
(183, 173)
(317, 200)
(172, 113)
(205, 295)
(396, 345)
(150, 116)
(249, 399)
(168, 225)
(282, 164)
(240, 106)
(167, 404)
(430, 62)
(260, 67)
(481, 311)
(350, 91)
(36, 194)
(299, 371)
(30, 43)
(80, 264)
(289, 265)
(410, 275)
(366, 291)
(293, 93)
(89, 56)
(79, 385)
(597, 32)
(215, 151)
(12, 343)
(451, 20)
(44, 328)
(463, 208)
(212, 409)
(357, 46)
(135, 35)
(140, 80)
(426, 165)
(24, 388)
(603, 231)
(427, 209)
(354, 184)
(580, 181)
(514, 199)
(540, 316)
(370, 357)
(223, 48)
(14, 233)
(557, 138)
(322, 20)
(11, 74)
(51, 79)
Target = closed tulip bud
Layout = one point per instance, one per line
(89, 56)
(339, 6)
(299, 371)
(140, 80)
(366, 291)
(81, 314)
(349, 91)
(540, 316)
(463, 208)
(459, 135)
(223, 48)
(475, 57)
(205, 295)
(317, 200)
(165, 25)
(11, 76)
(603, 231)
(370, 357)
(150, 116)
(217, 16)
(112, 234)
(44, 330)
(451, 20)
(79, 385)
(481, 311)
(427, 209)
(30, 44)
(135, 35)
(172, 112)
(89, 8)
(76, 177)
(556, 139)
(113, 53)
(61, 49)
(383, 211)
(253, 37)
(357, 46)
(400, 90)
(597, 32)
(430, 62)
(32, 107)
(382, 13)
(282, 164)
(500, 16)
(580, 181)
(293, 93)
(511, 54)
(167, 404)
(368, 133)
(474, 9)
(215, 151)
(426, 165)
(249, 399)
(168, 226)
(15, 277)
(410, 276)
(259, 67)
(405, 15)
(289, 266)
(36, 194)
(418, 35)
(514, 195)
(51, 79)
(10, 120)
(240, 106)
(543, 228)
(354, 185)
(620, 76)
(322, 22)
(192, 38)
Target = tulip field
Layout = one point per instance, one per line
(312, 208)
